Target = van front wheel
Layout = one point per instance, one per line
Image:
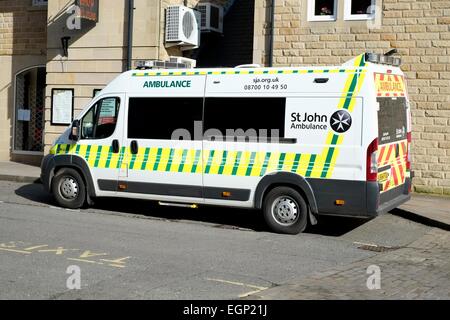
(69, 189)
(285, 211)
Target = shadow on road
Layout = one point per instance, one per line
(35, 193)
(220, 217)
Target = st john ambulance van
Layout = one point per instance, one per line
(294, 143)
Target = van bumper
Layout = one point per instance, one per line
(362, 199)
(392, 198)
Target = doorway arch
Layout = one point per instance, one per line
(29, 110)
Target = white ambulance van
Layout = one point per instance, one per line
(295, 143)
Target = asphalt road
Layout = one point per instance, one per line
(137, 250)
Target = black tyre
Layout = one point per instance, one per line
(285, 211)
(69, 189)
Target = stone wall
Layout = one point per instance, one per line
(419, 29)
(23, 37)
(22, 28)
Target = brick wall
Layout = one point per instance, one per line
(419, 29)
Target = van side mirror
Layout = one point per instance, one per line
(75, 133)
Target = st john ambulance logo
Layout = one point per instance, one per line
(341, 121)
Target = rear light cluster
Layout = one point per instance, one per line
(409, 160)
(372, 161)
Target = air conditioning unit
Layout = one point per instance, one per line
(182, 27)
(172, 63)
(189, 63)
(211, 17)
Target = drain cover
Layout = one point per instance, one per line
(376, 248)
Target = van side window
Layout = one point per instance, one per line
(160, 118)
(100, 121)
(244, 117)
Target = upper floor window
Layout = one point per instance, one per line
(322, 10)
(359, 9)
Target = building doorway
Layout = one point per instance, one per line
(29, 120)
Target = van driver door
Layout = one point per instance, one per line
(99, 145)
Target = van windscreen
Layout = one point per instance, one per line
(392, 120)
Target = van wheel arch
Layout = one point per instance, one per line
(78, 164)
(286, 179)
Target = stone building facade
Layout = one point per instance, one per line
(306, 32)
(98, 52)
(419, 29)
(33, 61)
(23, 46)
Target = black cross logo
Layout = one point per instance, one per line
(341, 121)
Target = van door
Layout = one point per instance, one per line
(163, 148)
(101, 133)
(237, 146)
(393, 142)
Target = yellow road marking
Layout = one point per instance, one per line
(84, 260)
(116, 261)
(241, 284)
(15, 251)
(89, 254)
(59, 251)
(8, 246)
(36, 247)
(116, 266)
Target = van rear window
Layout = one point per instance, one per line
(392, 120)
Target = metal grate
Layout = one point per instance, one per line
(377, 248)
(29, 109)
(172, 23)
(188, 24)
(202, 10)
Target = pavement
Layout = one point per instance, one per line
(18, 172)
(420, 270)
(133, 249)
(430, 210)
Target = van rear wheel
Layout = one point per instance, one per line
(285, 211)
(69, 189)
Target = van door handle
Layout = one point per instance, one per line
(115, 146)
(134, 147)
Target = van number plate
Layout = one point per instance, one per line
(382, 177)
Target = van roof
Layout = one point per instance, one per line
(358, 63)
